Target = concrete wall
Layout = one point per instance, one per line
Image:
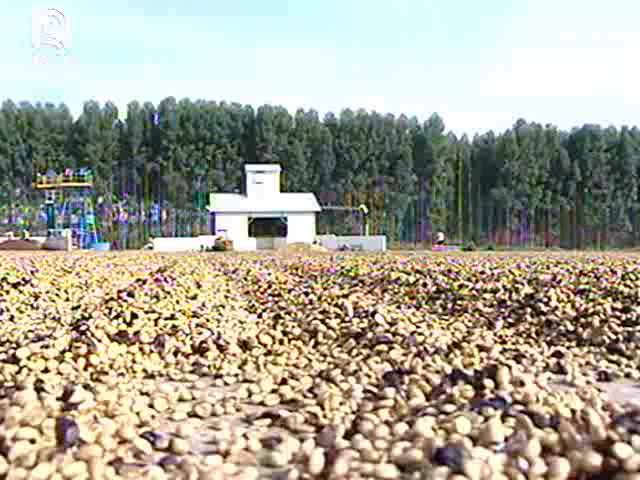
(59, 243)
(233, 226)
(38, 239)
(264, 243)
(328, 241)
(332, 242)
(271, 243)
(244, 245)
(182, 244)
(260, 185)
(301, 227)
(194, 244)
(372, 243)
(279, 243)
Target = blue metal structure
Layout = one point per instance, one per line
(69, 205)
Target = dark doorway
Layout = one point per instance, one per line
(267, 227)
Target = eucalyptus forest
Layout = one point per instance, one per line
(532, 185)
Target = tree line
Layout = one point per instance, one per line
(531, 185)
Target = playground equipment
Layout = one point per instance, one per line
(69, 205)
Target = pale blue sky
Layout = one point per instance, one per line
(480, 64)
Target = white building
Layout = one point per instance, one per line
(263, 217)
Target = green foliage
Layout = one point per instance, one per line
(531, 186)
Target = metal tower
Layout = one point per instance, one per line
(69, 205)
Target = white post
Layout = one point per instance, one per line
(69, 241)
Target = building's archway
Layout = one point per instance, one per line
(267, 230)
(268, 227)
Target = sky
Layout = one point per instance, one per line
(479, 65)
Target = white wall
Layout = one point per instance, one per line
(194, 244)
(182, 244)
(58, 243)
(328, 241)
(301, 227)
(279, 243)
(263, 184)
(372, 243)
(332, 242)
(245, 245)
(271, 243)
(264, 243)
(236, 226)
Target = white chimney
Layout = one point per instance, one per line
(263, 180)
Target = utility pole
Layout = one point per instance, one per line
(364, 226)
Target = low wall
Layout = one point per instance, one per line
(279, 243)
(371, 243)
(328, 241)
(245, 245)
(194, 244)
(182, 244)
(38, 239)
(58, 243)
(270, 243)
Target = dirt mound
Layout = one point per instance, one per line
(20, 245)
